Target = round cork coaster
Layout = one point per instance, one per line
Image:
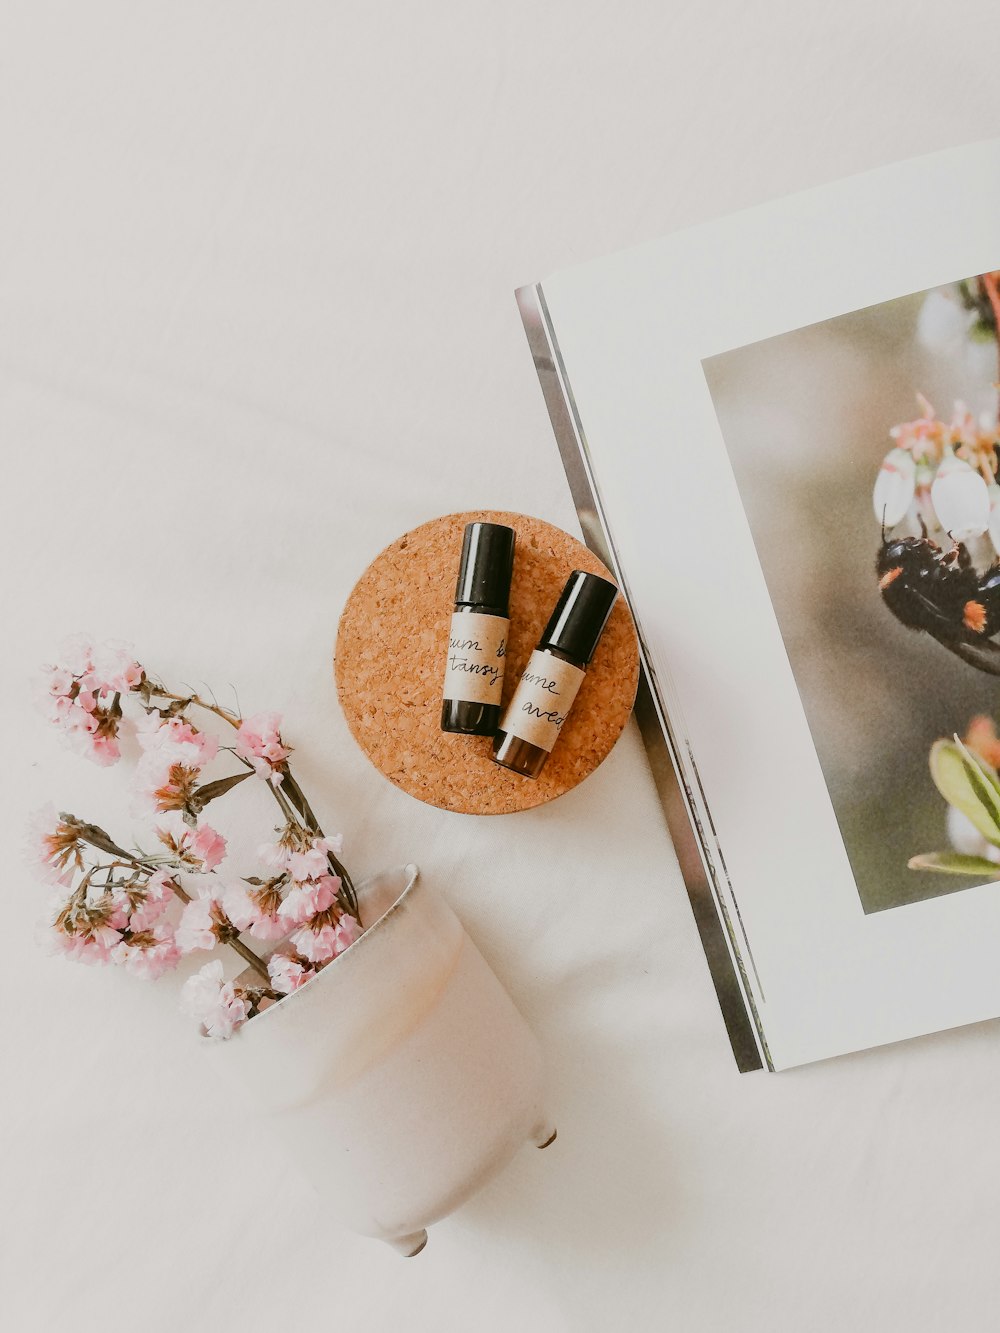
(392, 644)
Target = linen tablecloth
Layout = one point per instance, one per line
(256, 320)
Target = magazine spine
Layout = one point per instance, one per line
(673, 766)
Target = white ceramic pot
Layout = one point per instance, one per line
(402, 1073)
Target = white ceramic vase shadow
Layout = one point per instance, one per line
(402, 1074)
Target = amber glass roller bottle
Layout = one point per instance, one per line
(477, 640)
(549, 683)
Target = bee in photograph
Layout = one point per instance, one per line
(942, 593)
(941, 478)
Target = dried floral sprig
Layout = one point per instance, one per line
(129, 906)
(222, 1006)
(97, 914)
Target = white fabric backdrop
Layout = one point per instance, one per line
(257, 320)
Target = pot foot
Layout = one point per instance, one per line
(543, 1136)
(409, 1246)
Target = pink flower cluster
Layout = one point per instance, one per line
(126, 925)
(255, 908)
(219, 1006)
(309, 950)
(81, 696)
(288, 973)
(203, 924)
(299, 901)
(310, 907)
(324, 936)
(927, 437)
(940, 477)
(54, 845)
(173, 755)
(321, 930)
(258, 741)
(115, 904)
(197, 847)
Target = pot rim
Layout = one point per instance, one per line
(412, 872)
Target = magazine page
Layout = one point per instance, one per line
(790, 420)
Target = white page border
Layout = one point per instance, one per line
(633, 330)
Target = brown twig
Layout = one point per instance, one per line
(161, 692)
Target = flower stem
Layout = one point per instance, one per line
(296, 797)
(161, 692)
(248, 956)
(348, 895)
(96, 837)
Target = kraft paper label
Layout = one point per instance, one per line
(477, 648)
(543, 697)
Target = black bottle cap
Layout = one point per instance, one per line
(487, 564)
(581, 613)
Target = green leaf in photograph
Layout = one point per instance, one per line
(955, 863)
(968, 785)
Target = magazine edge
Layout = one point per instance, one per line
(681, 796)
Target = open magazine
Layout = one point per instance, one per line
(780, 430)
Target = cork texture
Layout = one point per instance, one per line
(390, 656)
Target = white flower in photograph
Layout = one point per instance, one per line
(895, 486)
(960, 498)
(944, 323)
(966, 838)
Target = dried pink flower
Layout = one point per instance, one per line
(208, 845)
(115, 905)
(199, 848)
(318, 946)
(305, 901)
(177, 738)
(148, 953)
(104, 750)
(321, 942)
(54, 844)
(299, 853)
(309, 864)
(162, 786)
(348, 930)
(217, 1004)
(274, 856)
(169, 773)
(203, 923)
(288, 973)
(255, 908)
(114, 922)
(258, 741)
(90, 944)
(81, 696)
(115, 669)
(159, 893)
(314, 860)
(59, 681)
(77, 652)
